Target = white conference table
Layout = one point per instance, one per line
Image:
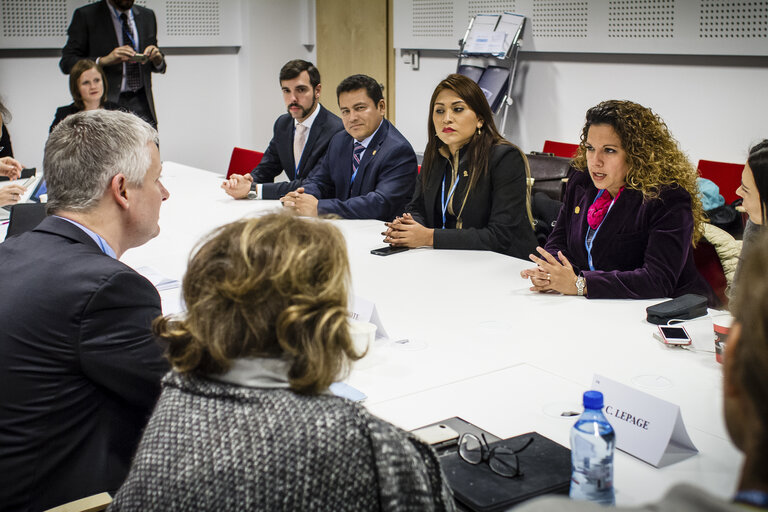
(482, 346)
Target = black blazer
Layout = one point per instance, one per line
(279, 154)
(384, 182)
(67, 110)
(92, 35)
(79, 368)
(495, 217)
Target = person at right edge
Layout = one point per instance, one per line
(753, 191)
(472, 192)
(631, 214)
(745, 386)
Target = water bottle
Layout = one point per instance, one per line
(592, 443)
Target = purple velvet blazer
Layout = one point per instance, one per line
(642, 249)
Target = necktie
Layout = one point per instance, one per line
(356, 156)
(132, 69)
(299, 139)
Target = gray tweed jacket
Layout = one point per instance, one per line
(215, 446)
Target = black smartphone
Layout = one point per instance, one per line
(386, 251)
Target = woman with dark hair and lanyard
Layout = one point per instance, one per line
(631, 214)
(473, 191)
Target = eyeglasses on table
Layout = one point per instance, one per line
(502, 460)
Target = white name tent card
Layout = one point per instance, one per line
(365, 311)
(647, 427)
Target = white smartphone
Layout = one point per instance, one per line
(674, 335)
(436, 434)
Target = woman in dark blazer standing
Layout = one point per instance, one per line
(473, 191)
(631, 214)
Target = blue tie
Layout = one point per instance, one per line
(356, 156)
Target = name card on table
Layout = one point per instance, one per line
(365, 311)
(647, 427)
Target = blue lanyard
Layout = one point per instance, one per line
(589, 240)
(755, 498)
(445, 200)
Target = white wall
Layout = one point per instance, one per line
(713, 106)
(207, 102)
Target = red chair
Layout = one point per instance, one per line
(243, 161)
(709, 266)
(726, 176)
(561, 149)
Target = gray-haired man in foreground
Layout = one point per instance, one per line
(79, 368)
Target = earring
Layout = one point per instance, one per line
(479, 129)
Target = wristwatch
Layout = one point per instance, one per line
(253, 195)
(580, 283)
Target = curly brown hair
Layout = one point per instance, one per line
(273, 286)
(654, 157)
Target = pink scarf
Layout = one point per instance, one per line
(600, 207)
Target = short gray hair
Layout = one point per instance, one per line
(86, 150)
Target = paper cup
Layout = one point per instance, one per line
(722, 327)
(363, 335)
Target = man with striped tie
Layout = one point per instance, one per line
(369, 171)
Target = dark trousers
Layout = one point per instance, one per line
(136, 102)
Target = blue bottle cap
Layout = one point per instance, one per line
(593, 400)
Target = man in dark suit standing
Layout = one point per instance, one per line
(123, 39)
(370, 169)
(79, 368)
(300, 137)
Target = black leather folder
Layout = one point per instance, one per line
(546, 468)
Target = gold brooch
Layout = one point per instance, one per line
(577, 210)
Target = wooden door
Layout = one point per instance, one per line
(355, 36)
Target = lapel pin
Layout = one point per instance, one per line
(374, 153)
(465, 174)
(577, 210)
